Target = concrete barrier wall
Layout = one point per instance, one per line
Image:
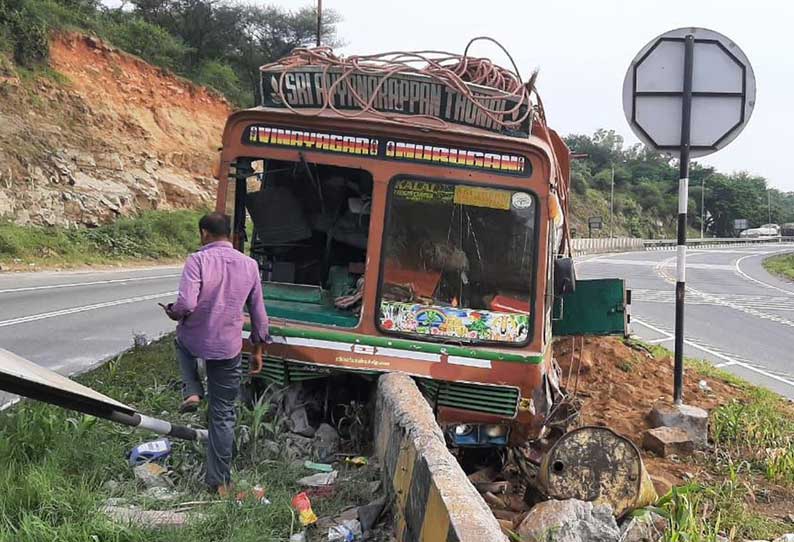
(606, 244)
(434, 501)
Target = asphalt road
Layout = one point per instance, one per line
(71, 321)
(737, 315)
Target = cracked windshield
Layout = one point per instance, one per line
(457, 262)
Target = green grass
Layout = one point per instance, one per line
(782, 265)
(699, 513)
(56, 466)
(153, 235)
(753, 438)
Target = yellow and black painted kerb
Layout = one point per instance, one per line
(420, 512)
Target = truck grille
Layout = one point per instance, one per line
(497, 400)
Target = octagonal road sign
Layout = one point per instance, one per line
(723, 91)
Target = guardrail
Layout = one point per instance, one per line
(657, 244)
(582, 246)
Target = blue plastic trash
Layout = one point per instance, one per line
(156, 450)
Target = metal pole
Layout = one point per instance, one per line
(702, 205)
(683, 200)
(769, 205)
(319, 20)
(612, 204)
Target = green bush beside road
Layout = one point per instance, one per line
(781, 265)
(151, 236)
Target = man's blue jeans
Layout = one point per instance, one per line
(223, 385)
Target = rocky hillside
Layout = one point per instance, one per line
(102, 134)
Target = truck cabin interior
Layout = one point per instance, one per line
(465, 251)
(309, 236)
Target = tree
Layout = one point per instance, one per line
(243, 36)
(646, 188)
(271, 33)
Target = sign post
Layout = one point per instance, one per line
(683, 202)
(594, 223)
(689, 92)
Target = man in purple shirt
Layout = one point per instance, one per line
(217, 283)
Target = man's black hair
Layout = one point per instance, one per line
(216, 224)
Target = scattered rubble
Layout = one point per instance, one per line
(318, 480)
(129, 515)
(326, 442)
(668, 441)
(369, 514)
(152, 475)
(693, 420)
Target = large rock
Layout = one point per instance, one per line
(693, 420)
(648, 527)
(326, 442)
(667, 441)
(569, 521)
(785, 538)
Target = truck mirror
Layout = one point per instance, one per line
(564, 276)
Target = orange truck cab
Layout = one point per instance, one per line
(392, 245)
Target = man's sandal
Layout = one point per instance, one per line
(189, 406)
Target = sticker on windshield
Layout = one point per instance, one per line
(476, 196)
(521, 200)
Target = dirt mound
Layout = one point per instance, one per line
(618, 384)
(106, 134)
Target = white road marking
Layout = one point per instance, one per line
(84, 308)
(753, 302)
(716, 299)
(92, 283)
(762, 283)
(727, 359)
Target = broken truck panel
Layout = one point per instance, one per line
(596, 307)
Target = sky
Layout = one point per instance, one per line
(583, 49)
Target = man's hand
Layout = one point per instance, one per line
(255, 364)
(169, 312)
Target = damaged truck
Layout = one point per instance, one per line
(408, 213)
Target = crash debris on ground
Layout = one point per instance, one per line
(302, 427)
(623, 388)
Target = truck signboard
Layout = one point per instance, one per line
(395, 94)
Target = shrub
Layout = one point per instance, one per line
(25, 31)
(222, 78)
(148, 41)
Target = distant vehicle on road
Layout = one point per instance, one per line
(787, 229)
(763, 231)
(775, 227)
